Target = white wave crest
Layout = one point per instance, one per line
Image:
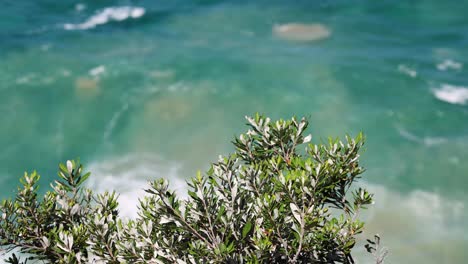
(449, 65)
(97, 70)
(108, 14)
(129, 176)
(452, 94)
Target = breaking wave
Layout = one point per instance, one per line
(449, 65)
(107, 15)
(452, 94)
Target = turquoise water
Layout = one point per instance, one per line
(146, 89)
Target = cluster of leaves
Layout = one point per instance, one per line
(266, 203)
(61, 227)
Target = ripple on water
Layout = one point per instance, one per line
(426, 140)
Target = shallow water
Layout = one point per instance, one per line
(145, 89)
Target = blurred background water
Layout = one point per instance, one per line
(146, 89)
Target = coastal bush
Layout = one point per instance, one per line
(269, 202)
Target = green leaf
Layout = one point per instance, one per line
(296, 212)
(246, 229)
(83, 178)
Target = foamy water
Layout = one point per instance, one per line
(107, 15)
(99, 70)
(452, 94)
(431, 226)
(130, 175)
(407, 70)
(425, 140)
(449, 64)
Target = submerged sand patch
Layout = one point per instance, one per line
(301, 32)
(87, 87)
(168, 108)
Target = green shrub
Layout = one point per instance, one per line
(267, 203)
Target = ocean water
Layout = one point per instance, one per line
(146, 89)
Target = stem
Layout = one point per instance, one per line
(301, 241)
(191, 229)
(283, 241)
(301, 235)
(213, 237)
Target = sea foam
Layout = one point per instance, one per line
(107, 15)
(97, 70)
(452, 94)
(449, 65)
(426, 140)
(414, 223)
(407, 70)
(129, 175)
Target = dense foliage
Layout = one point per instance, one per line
(267, 203)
